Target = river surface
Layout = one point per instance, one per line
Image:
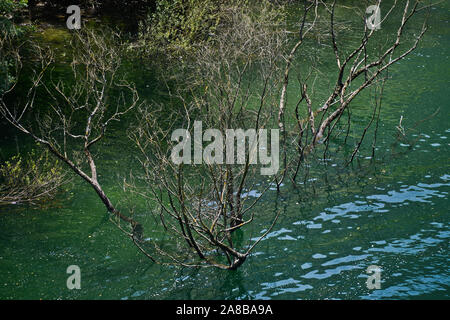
(391, 211)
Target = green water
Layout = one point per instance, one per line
(391, 211)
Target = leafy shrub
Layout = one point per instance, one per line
(10, 6)
(178, 24)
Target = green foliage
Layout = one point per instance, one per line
(11, 35)
(6, 78)
(11, 6)
(177, 25)
(31, 179)
(8, 11)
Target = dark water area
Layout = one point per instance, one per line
(391, 211)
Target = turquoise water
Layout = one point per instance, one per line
(391, 211)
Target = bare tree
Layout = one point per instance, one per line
(232, 83)
(32, 178)
(78, 114)
(357, 69)
(202, 205)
